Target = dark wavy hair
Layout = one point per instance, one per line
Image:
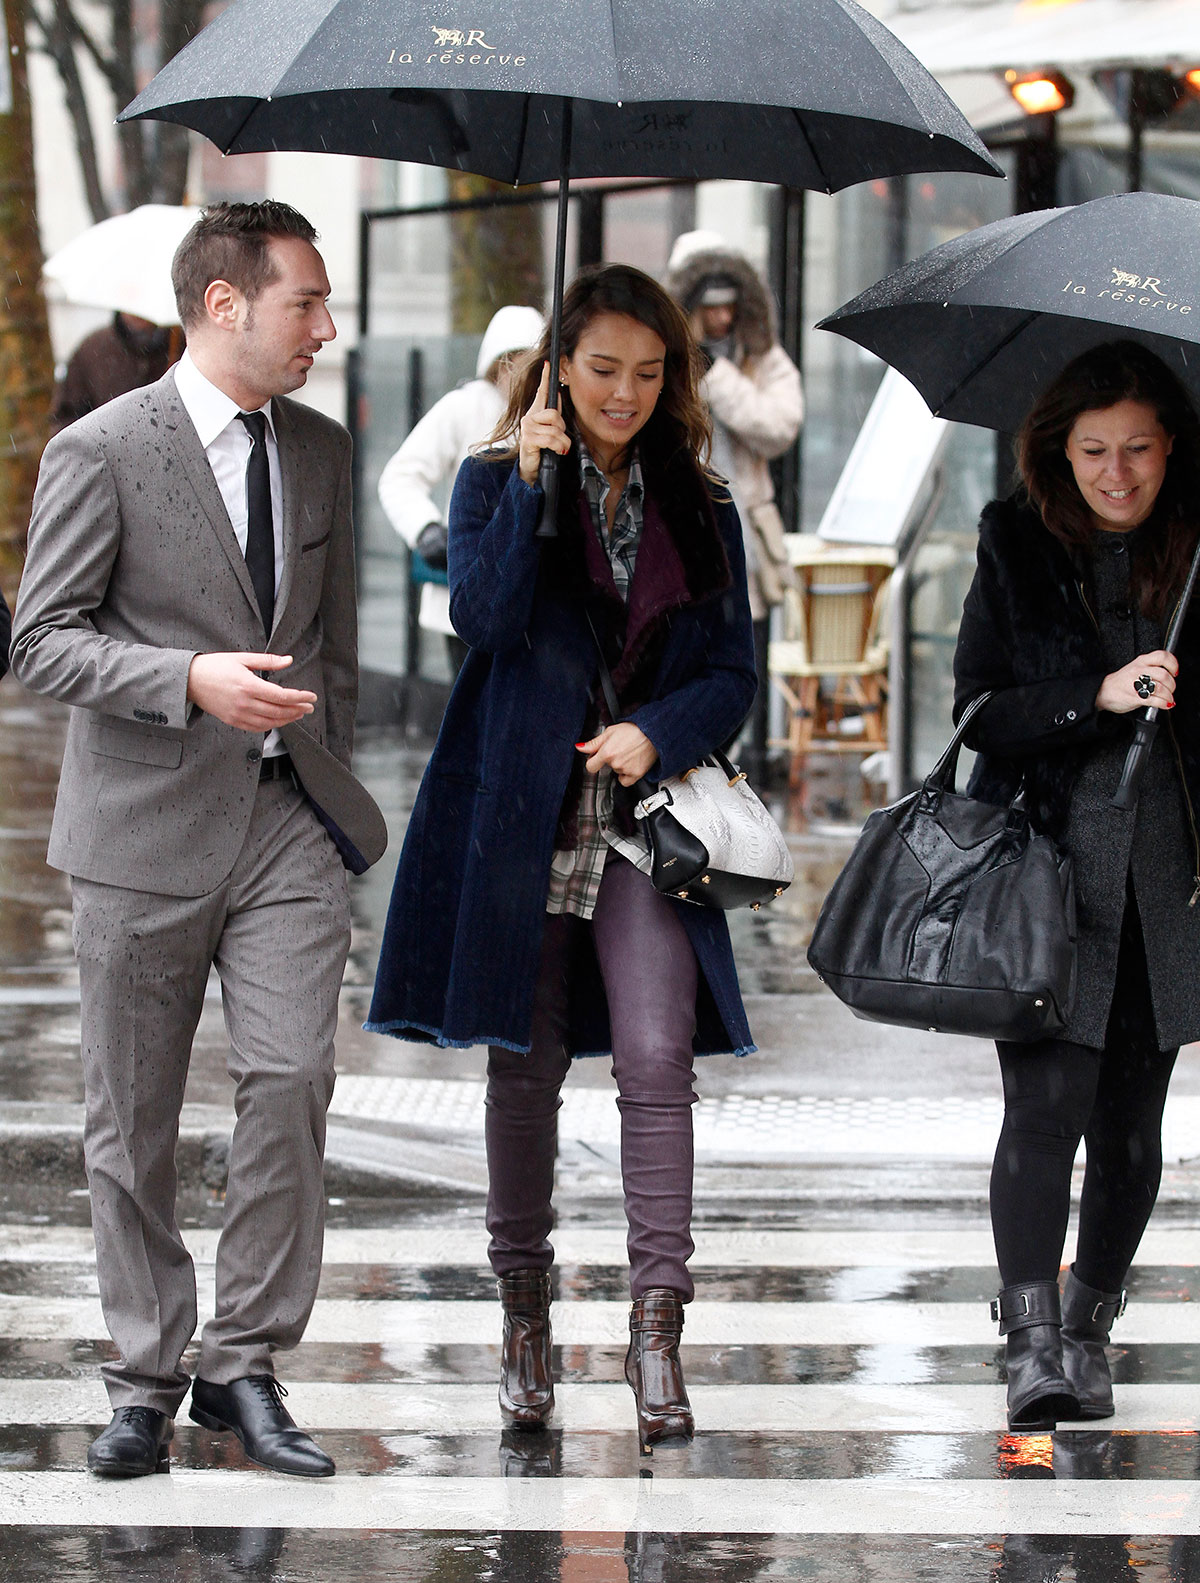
(1099, 378)
(680, 418)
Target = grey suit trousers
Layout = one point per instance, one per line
(278, 932)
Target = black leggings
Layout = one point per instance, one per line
(1054, 1094)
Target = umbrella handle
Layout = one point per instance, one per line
(547, 527)
(1146, 726)
(1144, 731)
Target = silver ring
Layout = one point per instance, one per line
(1144, 686)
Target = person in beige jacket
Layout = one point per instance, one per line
(756, 402)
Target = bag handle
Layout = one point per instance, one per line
(643, 787)
(606, 681)
(942, 776)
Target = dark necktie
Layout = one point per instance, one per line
(260, 530)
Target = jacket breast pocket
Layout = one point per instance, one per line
(116, 740)
(316, 544)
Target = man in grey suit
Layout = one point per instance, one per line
(189, 590)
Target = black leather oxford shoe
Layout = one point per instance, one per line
(135, 1443)
(253, 1410)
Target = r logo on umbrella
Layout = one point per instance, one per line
(455, 38)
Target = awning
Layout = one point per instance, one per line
(958, 36)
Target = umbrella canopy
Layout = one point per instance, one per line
(811, 93)
(124, 263)
(981, 323)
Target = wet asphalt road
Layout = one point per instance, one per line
(844, 1373)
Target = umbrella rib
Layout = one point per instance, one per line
(816, 158)
(521, 141)
(978, 368)
(242, 125)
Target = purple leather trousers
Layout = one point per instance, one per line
(649, 971)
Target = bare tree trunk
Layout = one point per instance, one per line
(180, 21)
(495, 254)
(26, 367)
(131, 135)
(56, 24)
(154, 155)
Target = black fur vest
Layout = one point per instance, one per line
(1028, 635)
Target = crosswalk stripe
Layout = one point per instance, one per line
(591, 1505)
(852, 1407)
(405, 1385)
(606, 1323)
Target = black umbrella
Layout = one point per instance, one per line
(982, 323)
(808, 93)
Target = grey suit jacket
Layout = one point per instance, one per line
(132, 569)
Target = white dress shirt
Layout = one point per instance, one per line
(227, 445)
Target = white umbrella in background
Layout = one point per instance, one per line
(124, 264)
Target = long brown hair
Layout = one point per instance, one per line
(680, 419)
(1100, 378)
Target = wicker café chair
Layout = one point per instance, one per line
(831, 663)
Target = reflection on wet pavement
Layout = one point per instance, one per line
(163, 1555)
(611, 1454)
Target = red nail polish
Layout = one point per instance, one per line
(581, 744)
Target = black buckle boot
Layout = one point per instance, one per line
(654, 1371)
(526, 1366)
(1088, 1317)
(1039, 1393)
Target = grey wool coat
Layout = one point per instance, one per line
(1041, 628)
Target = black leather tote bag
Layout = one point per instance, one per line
(952, 915)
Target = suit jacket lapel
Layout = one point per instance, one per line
(200, 475)
(289, 463)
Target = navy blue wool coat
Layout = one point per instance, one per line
(460, 952)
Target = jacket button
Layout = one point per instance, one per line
(253, 756)
(1059, 720)
(1122, 612)
(1070, 714)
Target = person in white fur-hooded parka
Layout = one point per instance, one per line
(752, 388)
(756, 403)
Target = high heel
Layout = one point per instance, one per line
(654, 1371)
(1087, 1317)
(1030, 1319)
(526, 1369)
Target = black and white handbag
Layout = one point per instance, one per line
(709, 839)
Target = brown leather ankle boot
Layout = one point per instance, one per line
(526, 1373)
(654, 1371)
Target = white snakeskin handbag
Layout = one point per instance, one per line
(708, 837)
(711, 839)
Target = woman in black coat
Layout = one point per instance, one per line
(1077, 577)
(520, 918)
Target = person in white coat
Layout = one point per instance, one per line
(756, 402)
(438, 445)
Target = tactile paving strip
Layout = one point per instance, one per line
(741, 1125)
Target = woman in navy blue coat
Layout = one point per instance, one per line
(518, 919)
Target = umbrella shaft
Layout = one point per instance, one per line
(560, 250)
(547, 527)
